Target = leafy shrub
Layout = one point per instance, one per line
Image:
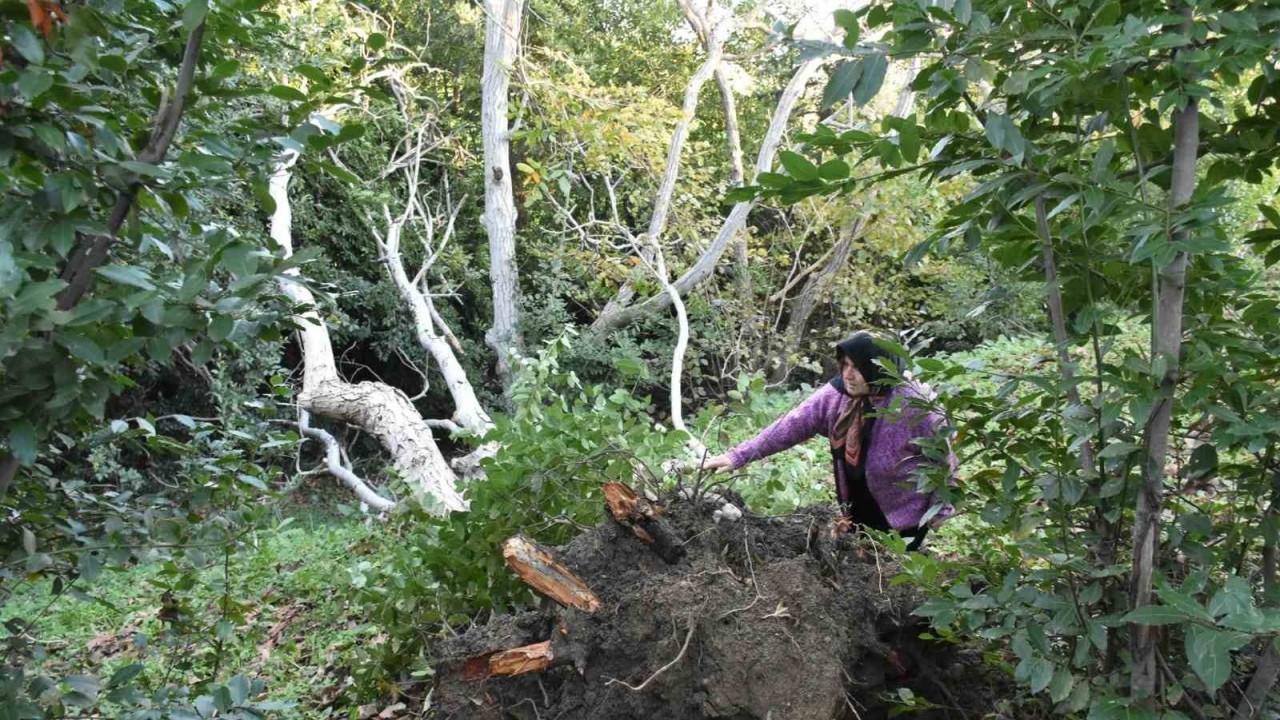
(784, 482)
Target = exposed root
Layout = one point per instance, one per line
(683, 649)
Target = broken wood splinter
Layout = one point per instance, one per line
(645, 520)
(538, 568)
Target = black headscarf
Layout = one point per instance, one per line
(863, 351)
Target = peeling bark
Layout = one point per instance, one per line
(501, 44)
(378, 409)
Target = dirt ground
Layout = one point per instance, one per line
(767, 618)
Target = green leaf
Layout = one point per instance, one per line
(833, 170)
(1204, 461)
(27, 43)
(1061, 685)
(843, 79)
(85, 686)
(1183, 602)
(1040, 674)
(1209, 653)
(28, 541)
(194, 14)
(220, 328)
(376, 41)
(22, 442)
(1016, 83)
(1234, 597)
(909, 142)
(225, 69)
(340, 173)
(798, 166)
(1156, 615)
(312, 73)
(142, 168)
(1271, 214)
(286, 93)
(1118, 449)
(873, 70)
(1102, 160)
(238, 686)
(34, 82)
(130, 275)
(125, 675)
(254, 482)
(848, 20)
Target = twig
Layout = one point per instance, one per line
(1168, 673)
(684, 648)
(754, 583)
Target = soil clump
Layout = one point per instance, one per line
(760, 618)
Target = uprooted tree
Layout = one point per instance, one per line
(664, 611)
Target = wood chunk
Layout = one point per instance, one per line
(538, 568)
(522, 660)
(644, 520)
(505, 663)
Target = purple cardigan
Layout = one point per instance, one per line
(891, 454)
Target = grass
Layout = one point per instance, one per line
(288, 587)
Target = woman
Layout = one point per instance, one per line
(874, 452)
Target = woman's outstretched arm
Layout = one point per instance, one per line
(812, 417)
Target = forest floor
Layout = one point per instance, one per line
(760, 617)
(292, 625)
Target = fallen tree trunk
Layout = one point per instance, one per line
(378, 409)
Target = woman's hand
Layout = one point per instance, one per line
(719, 464)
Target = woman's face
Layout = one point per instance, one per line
(854, 382)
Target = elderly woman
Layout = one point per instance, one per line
(874, 451)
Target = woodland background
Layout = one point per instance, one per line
(266, 268)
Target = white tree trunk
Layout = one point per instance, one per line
(501, 44)
(378, 409)
(615, 318)
(468, 413)
(671, 172)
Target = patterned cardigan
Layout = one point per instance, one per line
(892, 454)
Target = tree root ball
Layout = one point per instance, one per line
(762, 618)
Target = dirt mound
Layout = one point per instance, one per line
(759, 617)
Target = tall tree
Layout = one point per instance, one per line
(501, 47)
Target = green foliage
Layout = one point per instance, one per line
(799, 477)
(1059, 116)
(72, 537)
(292, 630)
